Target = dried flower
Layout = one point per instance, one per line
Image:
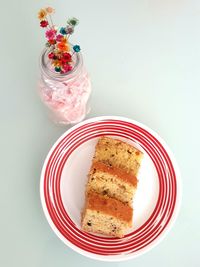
(77, 48)
(63, 31)
(51, 55)
(67, 57)
(56, 62)
(73, 22)
(42, 14)
(67, 67)
(57, 69)
(52, 42)
(61, 52)
(44, 23)
(63, 46)
(50, 10)
(50, 34)
(69, 29)
(59, 38)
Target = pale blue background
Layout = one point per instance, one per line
(144, 61)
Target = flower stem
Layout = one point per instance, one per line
(48, 26)
(51, 20)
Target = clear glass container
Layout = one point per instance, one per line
(66, 95)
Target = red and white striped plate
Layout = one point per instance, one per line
(64, 176)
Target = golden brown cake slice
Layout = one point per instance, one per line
(111, 187)
(105, 215)
(118, 154)
(112, 181)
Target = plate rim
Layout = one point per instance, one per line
(113, 258)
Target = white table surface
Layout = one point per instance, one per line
(144, 61)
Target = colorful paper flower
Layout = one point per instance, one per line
(62, 46)
(61, 52)
(66, 67)
(56, 63)
(51, 55)
(63, 31)
(67, 57)
(63, 61)
(69, 29)
(44, 23)
(59, 38)
(76, 48)
(50, 34)
(49, 10)
(73, 22)
(63, 40)
(42, 14)
(57, 69)
(52, 42)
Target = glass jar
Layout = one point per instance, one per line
(66, 95)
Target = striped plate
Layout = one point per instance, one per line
(64, 176)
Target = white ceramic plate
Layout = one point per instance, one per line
(64, 176)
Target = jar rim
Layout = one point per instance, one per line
(56, 75)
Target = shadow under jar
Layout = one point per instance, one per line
(66, 95)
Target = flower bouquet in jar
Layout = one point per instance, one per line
(64, 84)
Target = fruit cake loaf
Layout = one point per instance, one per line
(111, 186)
